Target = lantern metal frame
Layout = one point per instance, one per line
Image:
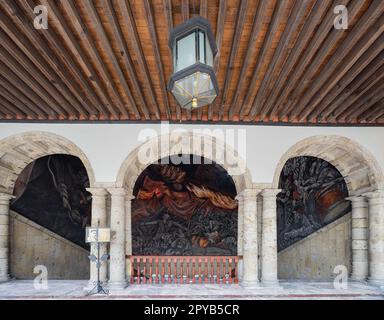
(194, 25)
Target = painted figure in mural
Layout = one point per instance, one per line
(313, 195)
(184, 210)
(51, 191)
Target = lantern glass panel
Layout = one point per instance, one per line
(209, 54)
(185, 52)
(202, 47)
(195, 90)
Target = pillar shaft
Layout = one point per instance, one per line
(4, 236)
(248, 205)
(99, 218)
(269, 238)
(359, 238)
(376, 236)
(117, 279)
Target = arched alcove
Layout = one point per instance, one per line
(41, 169)
(353, 171)
(184, 207)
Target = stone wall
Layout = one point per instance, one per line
(31, 245)
(315, 257)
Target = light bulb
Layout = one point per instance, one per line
(194, 102)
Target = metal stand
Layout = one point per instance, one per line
(98, 288)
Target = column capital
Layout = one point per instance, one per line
(117, 192)
(358, 201)
(270, 193)
(5, 198)
(98, 192)
(374, 194)
(248, 194)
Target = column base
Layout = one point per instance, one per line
(270, 284)
(253, 284)
(358, 278)
(117, 285)
(5, 279)
(376, 282)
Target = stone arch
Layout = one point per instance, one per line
(18, 150)
(360, 170)
(208, 147)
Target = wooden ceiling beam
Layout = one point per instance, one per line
(362, 36)
(94, 16)
(93, 106)
(35, 94)
(128, 64)
(9, 111)
(185, 17)
(296, 16)
(62, 61)
(377, 113)
(65, 31)
(267, 42)
(126, 11)
(344, 105)
(14, 100)
(309, 80)
(312, 45)
(364, 103)
(354, 72)
(38, 57)
(152, 31)
(55, 99)
(18, 89)
(256, 29)
(219, 39)
(167, 4)
(203, 11)
(222, 102)
(313, 20)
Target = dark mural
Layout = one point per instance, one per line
(185, 209)
(51, 192)
(313, 195)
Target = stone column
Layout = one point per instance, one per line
(99, 217)
(248, 205)
(117, 268)
(376, 236)
(4, 235)
(269, 238)
(359, 238)
(128, 234)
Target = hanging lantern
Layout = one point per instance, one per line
(193, 83)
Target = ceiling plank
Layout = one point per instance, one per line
(38, 56)
(219, 40)
(309, 80)
(354, 72)
(152, 30)
(280, 99)
(56, 49)
(297, 14)
(271, 33)
(12, 53)
(359, 39)
(128, 64)
(65, 31)
(93, 15)
(222, 103)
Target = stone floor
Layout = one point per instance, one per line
(24, 289)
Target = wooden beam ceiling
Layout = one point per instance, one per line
(278, 61)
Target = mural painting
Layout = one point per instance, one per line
(51, 192)
(313, 195)
(184, 209)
